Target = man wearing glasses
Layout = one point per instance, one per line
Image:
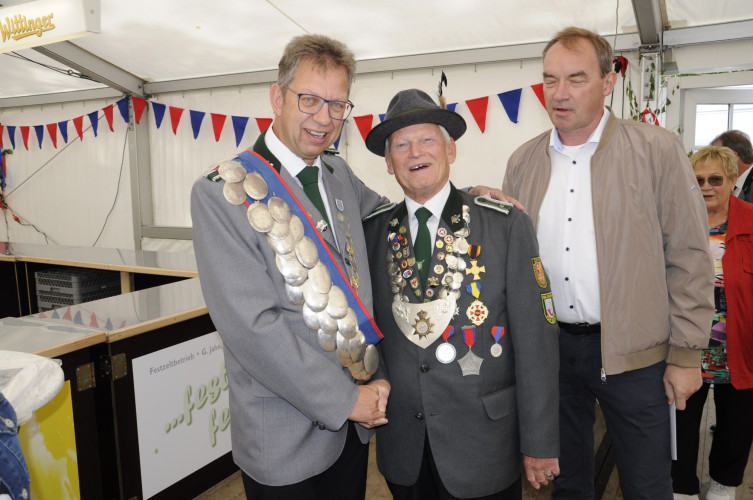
(293, 405)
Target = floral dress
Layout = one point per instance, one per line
(714, 357)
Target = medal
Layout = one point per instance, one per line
(477, 312)
(445, 352)
(470, 364)
(497, 332)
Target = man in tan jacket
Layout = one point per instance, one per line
(621, 226)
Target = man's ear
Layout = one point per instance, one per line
(276, 98)
(387, 159)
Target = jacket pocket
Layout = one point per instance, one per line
(260, 391)
(500, 403)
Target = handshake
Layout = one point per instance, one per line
(371, 408)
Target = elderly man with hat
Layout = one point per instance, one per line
(470, 342)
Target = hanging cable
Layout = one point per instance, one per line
(68, 72)
(117, 191)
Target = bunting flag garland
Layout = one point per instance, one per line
(25, 136)
(263, 123)
(239, 127)
(108, 115)
(196, 118)
(138, 107)
(39, 130)
(123, 108)
(538, 89)
(78, 123)
(511, 102)
(94, 120)
(63, 127)
(478, 109)
(175, 114)
(1, 136)
(159, 113)
(93, 322)
(218, 123)
(364, 124)
(52, 129)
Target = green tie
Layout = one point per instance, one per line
(309, 178)
(422, 245)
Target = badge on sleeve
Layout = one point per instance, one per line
(538, 272)
(548, 304)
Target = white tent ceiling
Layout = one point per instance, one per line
(147, 46)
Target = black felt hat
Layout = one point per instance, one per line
(410, 107)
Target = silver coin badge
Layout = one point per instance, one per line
(496, 350)
(255, 186)
(445, 353)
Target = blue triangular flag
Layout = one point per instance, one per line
(63, 127)
(123, 107)
(196, 118)
(451, 107)
(337, 141)
(159, 112)
(511, 103)
(12, 135)
(55, 314)
(77, 318)
(381, 116)
(108, 325)
(239, 126)
(93, 119)
(39, 130)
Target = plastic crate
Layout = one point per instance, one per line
(64, 286)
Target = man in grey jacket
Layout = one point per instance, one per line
(293, 405)
(621, 227)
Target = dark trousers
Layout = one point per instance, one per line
(731, 443)
(635, 409)
(345, 479)
(429, 486)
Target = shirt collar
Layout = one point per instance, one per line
(289, 161)
(435, 204)
(556, 143)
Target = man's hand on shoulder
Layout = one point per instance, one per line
(496, 194)
(371, 408)
(680, 383)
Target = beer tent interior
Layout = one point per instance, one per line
(197, 78)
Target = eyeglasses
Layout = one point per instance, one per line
(714, 180)
(311, 104)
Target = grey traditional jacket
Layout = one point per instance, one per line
(655, 271)
(289, 400)
(478, 424)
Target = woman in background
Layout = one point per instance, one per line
(728, 361)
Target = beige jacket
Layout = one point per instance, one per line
(655, 270)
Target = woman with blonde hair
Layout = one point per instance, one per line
(727, 362)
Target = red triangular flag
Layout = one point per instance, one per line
(1, 136)
(218, 121)
(78, 122)
(175, 118)
(52, 129)
(67, 314)
(478, 110)
(25, 135)
(364, 124)
(93, 321)
(138, 107)
(263, 123)
(108, 115)
(538, 89)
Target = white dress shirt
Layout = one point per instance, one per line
(565, 230)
